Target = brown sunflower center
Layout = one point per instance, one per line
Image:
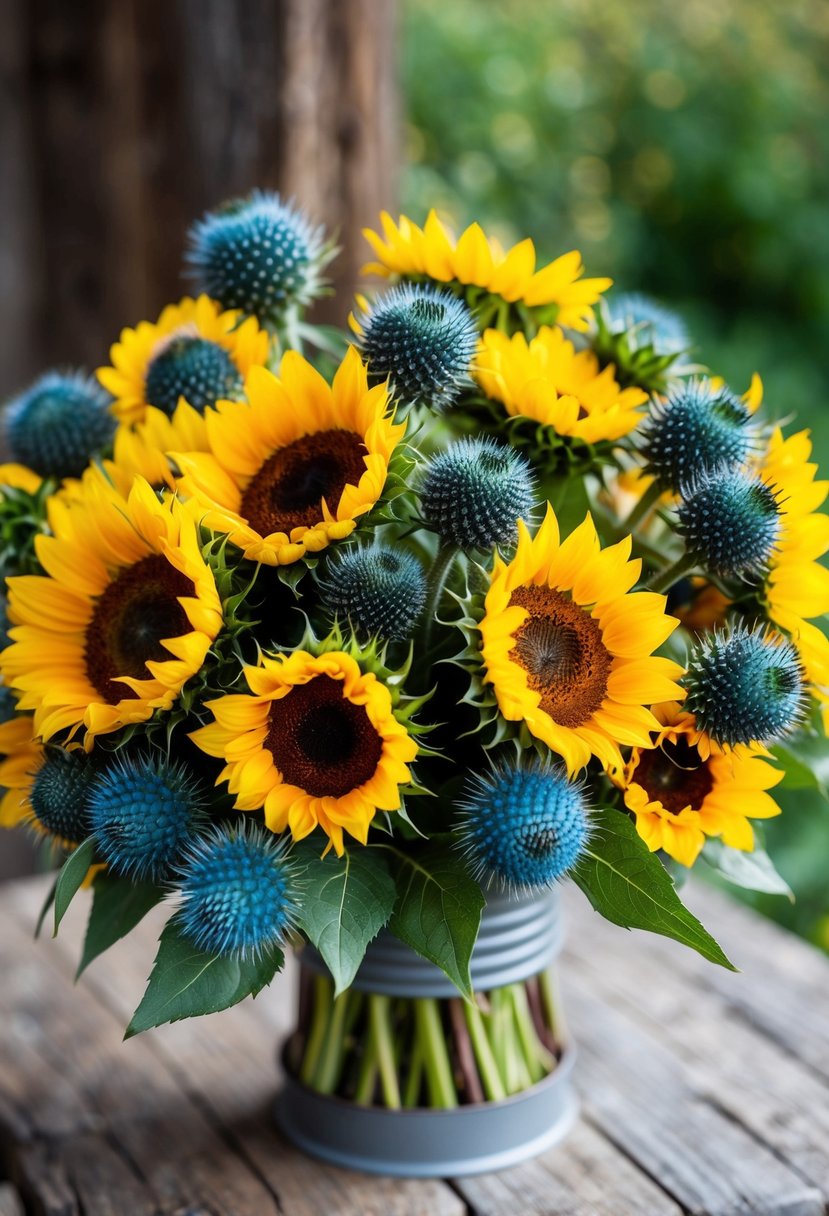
(130, 619)
(560, 648)
(675, 775)
(288, 490)
(322, 742)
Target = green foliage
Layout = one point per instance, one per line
(186, 982)
(438, 910)
(117, 907)
(71, 877)
(346, 901)
(629, 885)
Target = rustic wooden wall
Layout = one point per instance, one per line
(122, 120)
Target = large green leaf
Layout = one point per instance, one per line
(628, 885)
(187, 982)
(117, 907)
(346, 901)
(438, 909)
(71, 877)
(755, 871)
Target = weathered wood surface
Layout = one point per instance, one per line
(703, 1092)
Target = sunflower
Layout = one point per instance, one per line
(682, 787)
(547, 380)
(316, 745)
(475, 260)
(194, 350)
(21, 755)
(141, 450)
(294, 467)
(567, 649)
(123, 618)
(19, 477)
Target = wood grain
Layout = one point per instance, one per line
(699, 1095)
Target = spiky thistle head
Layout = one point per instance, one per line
(524, 824)
(696, 431)
(59, 424)
(646, 322)
(421, 338)
(144, 810)
(258, 254)
(473, 493)
(731, 524)
(746, 686)
(239, 891)
(59, 796)
(195, 368)
(380, 589)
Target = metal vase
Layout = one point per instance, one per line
(520, 936)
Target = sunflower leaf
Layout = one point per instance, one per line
(629, 886)
(117, 907)
(346, 902)
(755, 871)
(187, 982)
(438, 910)
(71, 877)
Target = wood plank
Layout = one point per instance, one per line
(10, 1201)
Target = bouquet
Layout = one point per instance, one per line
(312, 633)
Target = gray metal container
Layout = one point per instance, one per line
(519, 937)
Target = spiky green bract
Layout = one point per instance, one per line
(644, 341)
(421, 338)
(194, 368)
(59, 424)
(523, 825)
(380, 590)
(696, 431)
(239, 892)
(746, 686)
(474, 493)
(59, 795)
(731, 524)
(22, 520)
(144, 811)
(258, 254)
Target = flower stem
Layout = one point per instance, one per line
(329, 1064)
(649, 499)
(380, 1022)
(439, 1081)
(367, 1076)
(664, 581)
(321, 1003)
(414, 1081)
(490, 1076)
(438, 575)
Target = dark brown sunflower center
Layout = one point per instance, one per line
(288, 490)
(675, 775)
(322, 742)
(130, 619)
(560, 648)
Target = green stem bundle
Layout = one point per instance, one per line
(404, 1053)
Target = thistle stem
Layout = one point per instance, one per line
(381, 1032)
(664, 581)
(329, 1065)
(438, 575)
(321, 1003)
(487, 1066)
(439, 1081)
(367, 1075)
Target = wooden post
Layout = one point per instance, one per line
(129, 118)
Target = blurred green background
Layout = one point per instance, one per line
(684, 149)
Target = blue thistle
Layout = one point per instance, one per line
(143, 812)
(59, 796)
(746, 686)
(381, 590)
(474, 493)
(59, 424)
(238, 891)
(524, 824)
(194, 368)
(731, 524)
(258, 254)
(647, 323)
(696, 431)
(423, 340)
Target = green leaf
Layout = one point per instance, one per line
(438, 909)
(805, 761)
(346, 902)
(187, 982)
(629, 886)
(755, 871)
(71, 877)
(117, 907)
(44, 911)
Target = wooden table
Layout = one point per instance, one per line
(702, 1091)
